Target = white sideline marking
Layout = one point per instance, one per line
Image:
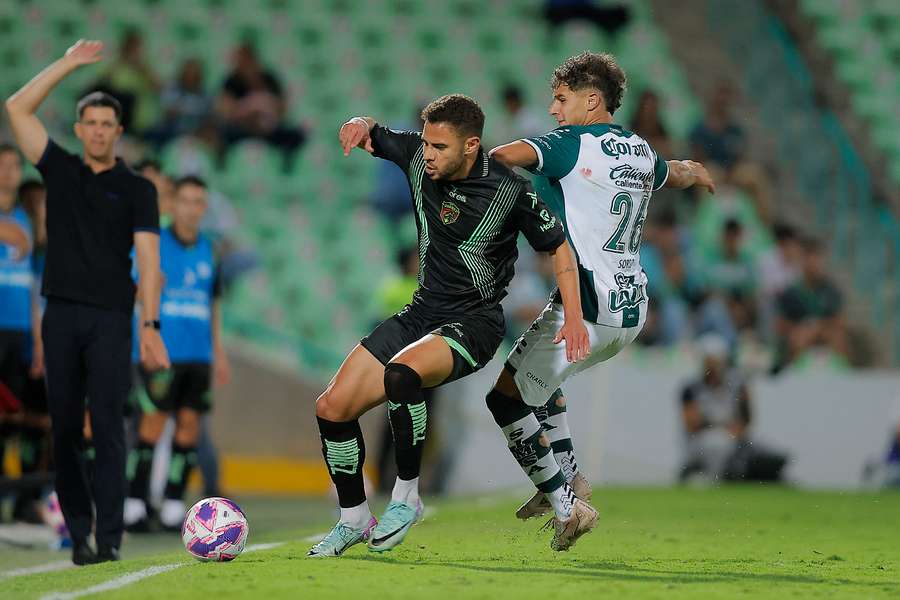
(114, 584)
(58, 565)
(124, 580)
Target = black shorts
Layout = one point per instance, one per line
(35, 397)
(473, 337)
(13, 367)
(185, 385)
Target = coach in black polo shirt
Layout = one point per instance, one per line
(97, 210)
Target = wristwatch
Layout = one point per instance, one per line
(154, 323)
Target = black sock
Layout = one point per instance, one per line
(180, 464)
(523, 436)
(140, 462)
(408, 417)
(345, 452)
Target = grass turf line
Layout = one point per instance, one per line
(658, 543)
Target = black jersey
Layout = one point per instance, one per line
(468, 227)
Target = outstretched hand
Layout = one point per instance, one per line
(702, 176)
(353, 133)
(575, 334)
(85, 52)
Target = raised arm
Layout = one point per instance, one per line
(515, 154)
(355, 134)
(573, 330)
(29, 132)
(686, 173)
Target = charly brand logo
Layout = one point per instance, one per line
(628, 295)
(616, 148)
(629, 177)
(449, 213)
(453, 193)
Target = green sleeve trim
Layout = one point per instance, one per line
(462, 351)
(660, 173)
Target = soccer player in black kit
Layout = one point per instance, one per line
(469, 210)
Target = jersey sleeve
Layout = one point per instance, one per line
(541, 228)
(660, 172)
(145, 210)
(557, 152)
(396, 146)
(52, 160)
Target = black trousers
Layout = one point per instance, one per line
(87, 352)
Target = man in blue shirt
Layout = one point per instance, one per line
(15, 293)
(191, 329)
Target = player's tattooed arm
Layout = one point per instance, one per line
(686, 173)
(573, 330)
(29, 132)
(515, 154)
(355, 134)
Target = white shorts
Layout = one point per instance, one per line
(539, 366)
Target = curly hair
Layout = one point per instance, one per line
(593, 70)
(457, 110)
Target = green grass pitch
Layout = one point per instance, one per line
(735, 542)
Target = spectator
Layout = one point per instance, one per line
(252, 105)
(529, 291)
(165, 189)
(186, 106)
(731, 275)
(716, 414)
(609, 18)
(718, 138)
(810, 312)
(131, 80)
(777, 269)
(518, 120)
(648, 124)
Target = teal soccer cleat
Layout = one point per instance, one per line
(340, 538)
(394, 525)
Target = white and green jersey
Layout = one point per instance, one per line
(598, 179)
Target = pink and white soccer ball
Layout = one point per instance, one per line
(215, 529)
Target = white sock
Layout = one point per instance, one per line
(562, 499)
(406, 491)
(357, 517)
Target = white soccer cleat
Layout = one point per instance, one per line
(566, 532)
(538, 505)
(341, 537)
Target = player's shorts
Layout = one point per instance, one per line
(473, 337)
(13, 368)
(539, 366)
(185, 385)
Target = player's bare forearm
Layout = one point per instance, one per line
(687, 173)
(566, 270)
(515, 154)
(149, 275)
(217, 326)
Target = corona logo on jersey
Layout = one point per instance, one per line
(449, 213)
(628, 295)
(616, 148)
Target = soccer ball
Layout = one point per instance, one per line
(215, 529)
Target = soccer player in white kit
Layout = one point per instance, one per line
(598, 178)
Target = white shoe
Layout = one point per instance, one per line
(135, 511)
(171, 515)
(583, 519)
(538, 505)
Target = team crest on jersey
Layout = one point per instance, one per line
(449, 213)
(628, 295)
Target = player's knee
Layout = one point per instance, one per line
(187, 427)
(506, 385)
(559, 399)
(334, 407)
(400, 382)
